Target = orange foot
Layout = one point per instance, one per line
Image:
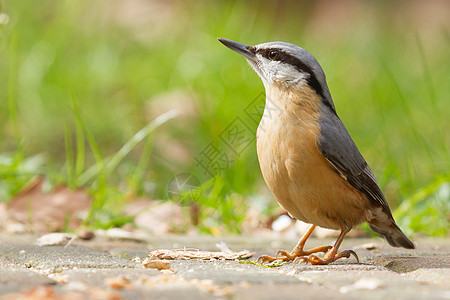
(330, 257)
(296, 255)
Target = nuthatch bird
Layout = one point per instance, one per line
(307, 158)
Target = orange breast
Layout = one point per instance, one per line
(301, 179)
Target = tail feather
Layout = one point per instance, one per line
(393, 234)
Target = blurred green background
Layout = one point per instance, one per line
(79, 80)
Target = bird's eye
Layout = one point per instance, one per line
(273, 54)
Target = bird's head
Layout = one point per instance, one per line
(283, 64)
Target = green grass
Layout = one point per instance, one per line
(81, 81)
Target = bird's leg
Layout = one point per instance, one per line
(332, 255)
(296, 253)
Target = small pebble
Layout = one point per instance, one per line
(85, 234)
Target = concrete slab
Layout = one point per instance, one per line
(437, 277)
(368, 282)
(14, 278)
(286, 291)
(130, 284)
(406, 264)
(85, 267)
(51, 259)
(169, 294)
(98, 277)
(229, 272)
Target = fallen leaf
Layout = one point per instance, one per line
(156, 264)
(43, 212)
(197, 254)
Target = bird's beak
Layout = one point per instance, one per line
(239, 48)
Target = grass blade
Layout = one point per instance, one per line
(138, 137)
(114, 161)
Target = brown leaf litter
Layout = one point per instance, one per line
(156, 264)
(198, 254)
(47, 212)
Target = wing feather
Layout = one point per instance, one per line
(339, 149)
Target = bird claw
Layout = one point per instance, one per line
(327, 248)
(266, 259)
(281, 255)
(295, 256)
(302, 258)
(315, 260)
(284, 255)
(351, 252)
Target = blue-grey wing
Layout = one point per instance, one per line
(339, 149)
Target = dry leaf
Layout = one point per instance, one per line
(156, 264)
(197, 254)
(44, 212)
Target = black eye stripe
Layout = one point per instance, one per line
(296, 63)
(266, 53)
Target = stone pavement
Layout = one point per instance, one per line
(106, 269)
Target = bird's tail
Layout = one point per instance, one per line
(393, 234)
